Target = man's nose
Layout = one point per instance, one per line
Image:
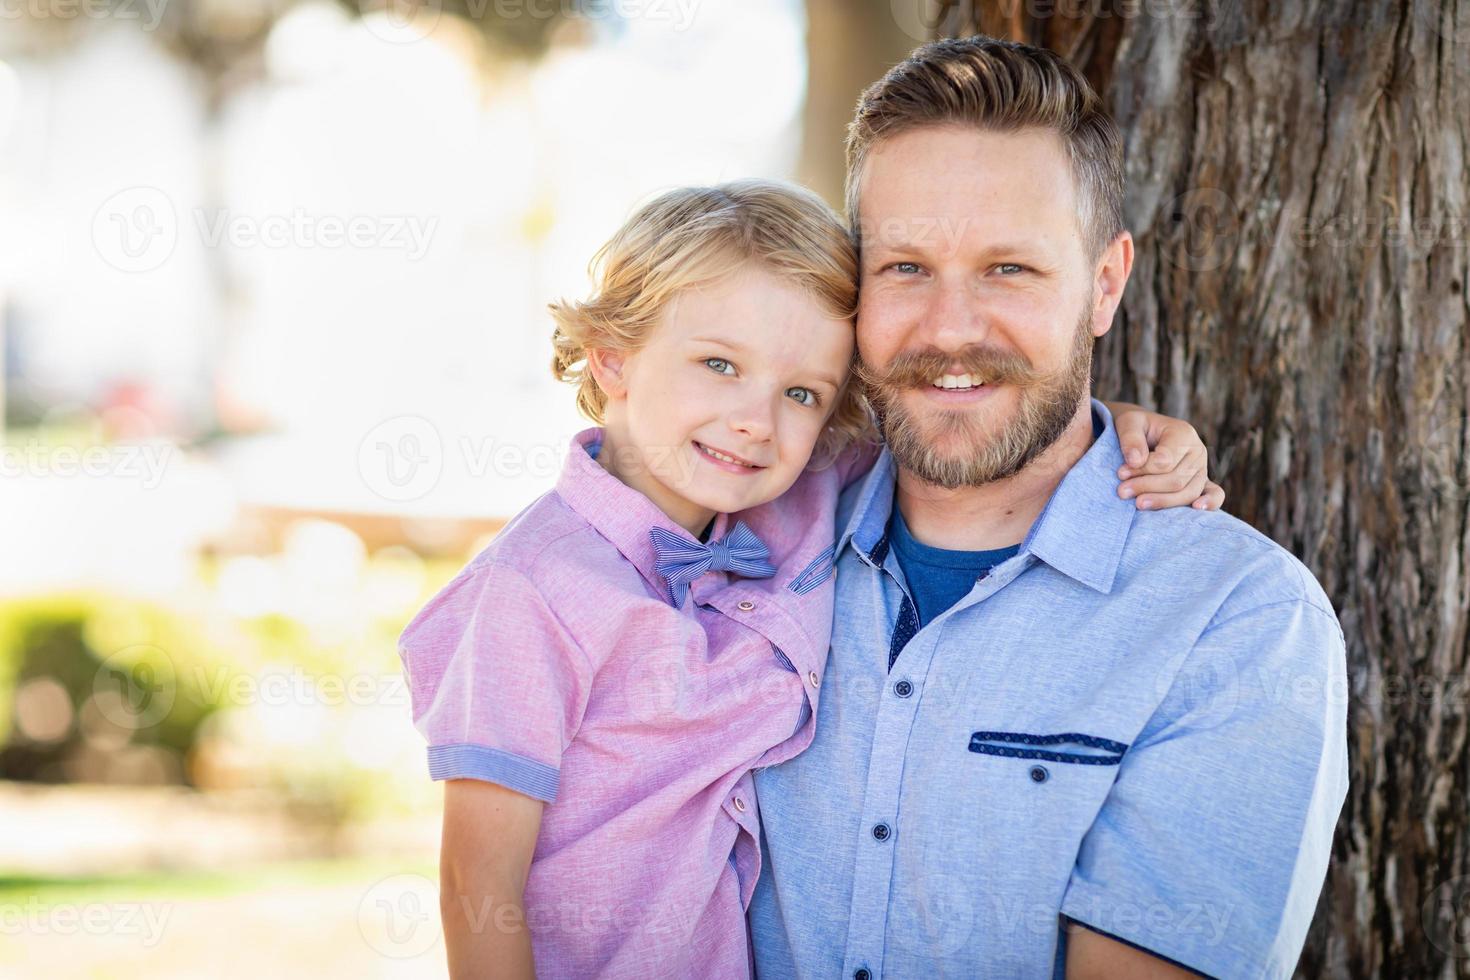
(952, 318)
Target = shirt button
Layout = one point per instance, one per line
(1038, 774)
(903, 689)
(739, 804)
(811, 676)
(862, 974)
(880, 832)
(746, 605)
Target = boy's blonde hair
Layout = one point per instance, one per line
(693, 237)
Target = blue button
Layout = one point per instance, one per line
(880, 832)
(862, 974)
(1039, 774)
(903, 689)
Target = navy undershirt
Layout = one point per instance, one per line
(938, 577)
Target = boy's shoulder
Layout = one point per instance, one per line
(553, 547)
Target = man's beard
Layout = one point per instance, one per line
(1048, 403)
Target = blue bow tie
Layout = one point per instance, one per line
(681, 561)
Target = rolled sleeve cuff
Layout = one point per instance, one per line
(1192, 936)
(534, 779)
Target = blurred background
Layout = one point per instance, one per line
(273, 278)
(275, 356)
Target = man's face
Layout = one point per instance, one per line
(973, 263)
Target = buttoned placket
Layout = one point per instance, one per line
(878, 830)
(764, 615)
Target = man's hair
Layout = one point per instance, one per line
(696, 236)
(1002, 86)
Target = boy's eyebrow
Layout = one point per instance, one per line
(824, 378)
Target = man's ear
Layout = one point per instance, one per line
(609, 371)
(1113, 269)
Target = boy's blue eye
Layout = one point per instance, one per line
(816, 399)
(718, 360)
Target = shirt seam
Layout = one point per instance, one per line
(1296, 600)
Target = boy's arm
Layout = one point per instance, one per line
(484, 858)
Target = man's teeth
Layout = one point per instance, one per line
(728, 459)
(958, 381)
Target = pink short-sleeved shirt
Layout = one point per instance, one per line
(555, 664)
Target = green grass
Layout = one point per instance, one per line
(278, 876)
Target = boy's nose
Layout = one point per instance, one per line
(754, 421)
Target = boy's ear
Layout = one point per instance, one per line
(608, 370)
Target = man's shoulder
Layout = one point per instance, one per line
(1212, 546)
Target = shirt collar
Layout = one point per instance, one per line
(619, 513)
(1081, 531)
(1084, 526)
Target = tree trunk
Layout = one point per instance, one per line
(850, 44)
(1298, 195)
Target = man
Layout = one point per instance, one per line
(1056, 738)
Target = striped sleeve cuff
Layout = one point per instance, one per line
(515, 772)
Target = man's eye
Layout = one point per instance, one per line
(718, 360)
(1010, 268)
(814, 400)
(907, 268)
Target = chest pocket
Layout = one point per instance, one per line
(1065, 776)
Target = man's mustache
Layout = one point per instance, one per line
(911, 369)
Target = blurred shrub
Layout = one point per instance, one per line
(276, 673)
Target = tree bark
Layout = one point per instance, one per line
(1298, 194)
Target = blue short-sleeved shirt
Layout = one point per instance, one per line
(1137, 722)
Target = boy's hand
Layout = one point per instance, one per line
(1165, 461)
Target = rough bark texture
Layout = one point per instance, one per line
(1298, 194)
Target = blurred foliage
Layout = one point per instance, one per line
(305, 701)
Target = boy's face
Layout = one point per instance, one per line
(748, 367)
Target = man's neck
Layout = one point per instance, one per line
(997, 514)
